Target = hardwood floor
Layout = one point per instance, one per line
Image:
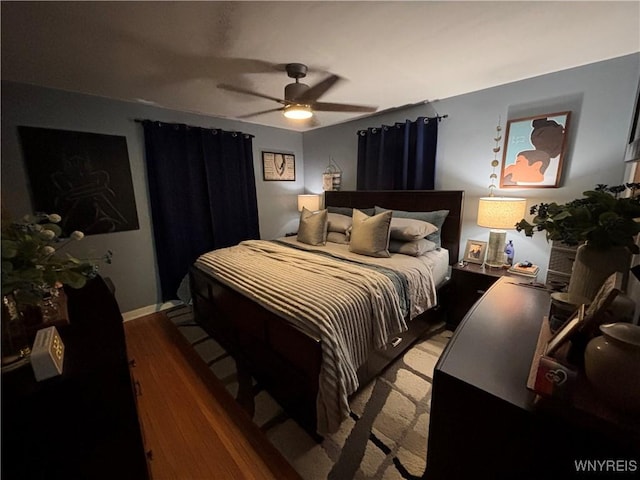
(192, 427)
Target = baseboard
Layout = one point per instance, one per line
(149, 309)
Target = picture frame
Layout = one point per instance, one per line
(534, 151)
(280, 167)
(596, 313)
(475, 251)
(85, 177)
(565, 332)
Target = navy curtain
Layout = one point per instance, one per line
(398, 157)
(202, 192)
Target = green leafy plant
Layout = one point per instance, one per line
(32, 260)
(602, 218)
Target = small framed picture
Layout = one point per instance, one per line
(597, 312)
(534, 151)
(278, 166)
(475, 251)
(565, 332)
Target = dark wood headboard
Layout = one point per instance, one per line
(412, 201)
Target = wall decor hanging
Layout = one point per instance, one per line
(278, 166)
(84, 177)
(332, 177)
(534, 151)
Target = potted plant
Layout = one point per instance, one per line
(603, 222)
(34, 270)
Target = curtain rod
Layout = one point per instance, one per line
(398, 124)
(141, 120)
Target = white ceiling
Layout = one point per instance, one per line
(390, 54)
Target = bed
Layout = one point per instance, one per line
(271, 343)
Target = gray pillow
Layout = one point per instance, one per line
(437, 218)
(408, 229)
(415, 248)
(370, 235)
(338, 222)
(337, 237)
(348, 211)
(313, 227)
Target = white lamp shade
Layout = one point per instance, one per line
(501, 212)
(309, 201)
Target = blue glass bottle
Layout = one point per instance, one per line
(510, 251)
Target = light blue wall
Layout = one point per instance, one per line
(600, 96)
(133, 270)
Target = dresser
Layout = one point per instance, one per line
(485, 423)
(82, 424)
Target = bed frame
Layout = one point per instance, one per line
(283, 360)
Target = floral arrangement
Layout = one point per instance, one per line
(32, 261)
(602, 218)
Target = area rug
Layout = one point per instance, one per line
(385, 436)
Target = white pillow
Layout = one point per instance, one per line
(415, 248)
(370, 235)
(313, 227)
(338, 223)
(410, 229)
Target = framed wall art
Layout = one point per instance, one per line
(278, 166)
(475, 251)
(534, 151)
(84, 177)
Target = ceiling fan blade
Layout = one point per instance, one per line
(341, 107)
(233, 88)
(261, 113)
(319, 89)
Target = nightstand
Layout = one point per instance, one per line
(469, 282)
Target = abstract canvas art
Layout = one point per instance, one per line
(83, 177)
(534, 152)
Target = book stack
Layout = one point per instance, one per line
(525, 269)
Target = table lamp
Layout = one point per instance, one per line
(499, 214)
(311, 202)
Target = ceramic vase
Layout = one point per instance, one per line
(612, 365)
(21, 321)
(592, 267)
(15, 342)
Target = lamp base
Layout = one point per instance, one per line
(495, 248)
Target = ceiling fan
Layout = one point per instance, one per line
(301, 100)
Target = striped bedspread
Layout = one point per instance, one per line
(349, 306)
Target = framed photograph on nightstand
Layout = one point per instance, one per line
(475, 251)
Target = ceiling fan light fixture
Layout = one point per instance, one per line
(298, 112)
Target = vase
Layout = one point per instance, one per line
(592, 267)
(15, 341)
(50, 310)
(612, 365)
(21, 321)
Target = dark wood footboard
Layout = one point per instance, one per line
(284, 360)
